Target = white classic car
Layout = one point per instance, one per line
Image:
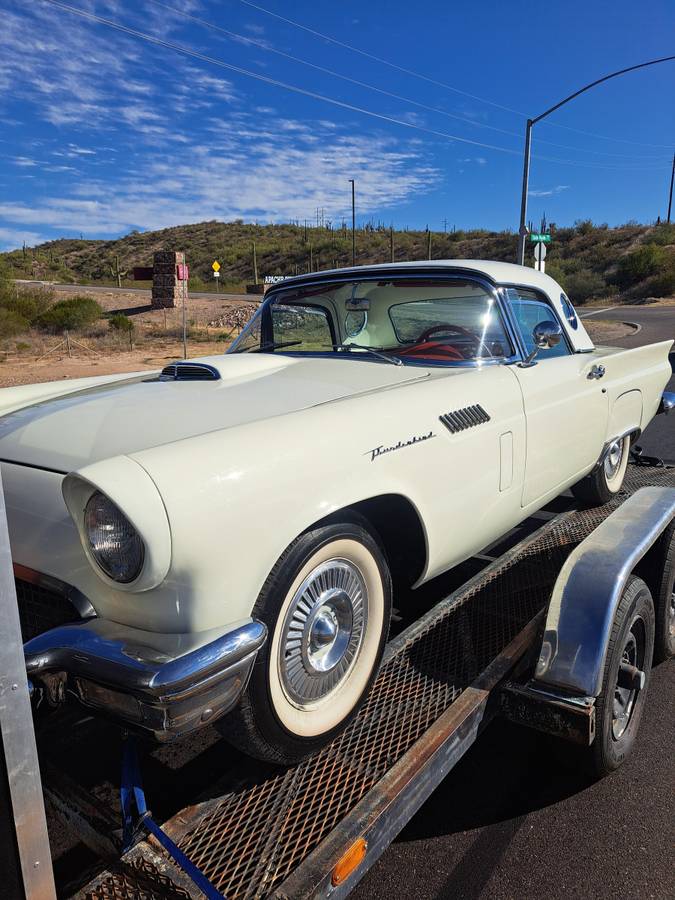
(223, 536)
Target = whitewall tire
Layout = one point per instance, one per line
(327, 605)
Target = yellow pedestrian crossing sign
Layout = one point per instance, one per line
(215, 265)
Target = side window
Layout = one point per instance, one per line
(529, 311)
(307, 328)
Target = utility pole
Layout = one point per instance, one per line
(351, 181)
(522, 230)
(445, 226)
(255, 265)
(391, 242)
(429, 245)
(670, 195)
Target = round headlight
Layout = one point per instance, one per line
(113, 541)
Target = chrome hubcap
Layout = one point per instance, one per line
(613, 458)
(323, 631)
(626, 690)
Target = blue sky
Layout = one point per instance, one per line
(102, 132)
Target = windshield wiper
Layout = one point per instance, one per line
(379, 353)
(275, 345)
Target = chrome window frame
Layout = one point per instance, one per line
(490, 287)
(548, 302)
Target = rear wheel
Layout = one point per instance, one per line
(327, 605)
(625, 679)
(605, 481)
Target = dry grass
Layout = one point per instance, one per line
(35, 357)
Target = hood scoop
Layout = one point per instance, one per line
(189, 371)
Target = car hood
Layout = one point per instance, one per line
(76, 428)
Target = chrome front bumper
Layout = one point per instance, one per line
(165, 685)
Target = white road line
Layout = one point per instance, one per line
(596, 312)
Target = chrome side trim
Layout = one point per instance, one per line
(172, 683)
(589, 587)
(667, 402)
(81, 604)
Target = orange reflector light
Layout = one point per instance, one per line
(350, 861)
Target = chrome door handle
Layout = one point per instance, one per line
(596, 372)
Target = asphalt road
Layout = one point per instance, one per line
(511, 821)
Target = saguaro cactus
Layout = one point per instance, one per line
(116, 272)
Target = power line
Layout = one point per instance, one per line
(427, 78)
(186, 51)
(268, 48)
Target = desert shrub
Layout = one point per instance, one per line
(640, 264)
(70, 315)
(11, 323)
(663, 234)
(22, 345)
(659, 285)
(584, 226)
(28, 302)
(584, 284)
(120, 322)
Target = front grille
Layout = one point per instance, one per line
(41, 609)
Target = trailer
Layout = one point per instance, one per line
(553, 631)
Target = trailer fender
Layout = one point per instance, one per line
(588, 589)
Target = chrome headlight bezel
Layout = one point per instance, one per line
(115, 544)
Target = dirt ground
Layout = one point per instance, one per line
(157, 340)
(602, 331)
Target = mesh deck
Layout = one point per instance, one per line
(247, 841)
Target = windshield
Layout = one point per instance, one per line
(405, 320)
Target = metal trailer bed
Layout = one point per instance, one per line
(270, 832)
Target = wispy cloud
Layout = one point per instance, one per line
(549, 192)
(305, 167)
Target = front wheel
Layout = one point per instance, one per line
(606, 479)
(327, 605)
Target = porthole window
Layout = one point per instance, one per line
(569, 311)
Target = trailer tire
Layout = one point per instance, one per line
(662, 580)
(606, 479)
(619, 709)
(327, 607)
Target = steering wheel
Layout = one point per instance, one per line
(453, 329)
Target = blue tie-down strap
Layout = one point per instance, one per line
(132, 795)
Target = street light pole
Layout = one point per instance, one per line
(670, 195)
(522, 228)
(522, 231)
(351, 181)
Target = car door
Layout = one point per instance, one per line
(566, 411)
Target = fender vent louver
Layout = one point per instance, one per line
(187, 371)
(461, 419)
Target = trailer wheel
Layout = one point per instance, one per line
(327, 607)
(625, 679)
(606, 479)
(662, 580)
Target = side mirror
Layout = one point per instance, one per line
(545, 335)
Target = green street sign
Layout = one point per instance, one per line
(540, 238)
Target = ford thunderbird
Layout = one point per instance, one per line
(223, 537)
